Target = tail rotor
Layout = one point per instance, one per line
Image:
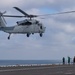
(2, 20)
(1, 15)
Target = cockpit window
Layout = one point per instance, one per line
(26, 23)
(37, 22)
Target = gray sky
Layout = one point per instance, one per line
(57, 41)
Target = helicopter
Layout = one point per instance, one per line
(27, 26)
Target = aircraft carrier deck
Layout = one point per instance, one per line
(39, 70)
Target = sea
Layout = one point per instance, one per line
(28, 62)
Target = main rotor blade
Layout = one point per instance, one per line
(67, 12)
(24, 13)
(13, 16)
(32, 16)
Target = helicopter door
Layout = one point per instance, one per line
(36, 28)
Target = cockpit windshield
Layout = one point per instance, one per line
(37, 22)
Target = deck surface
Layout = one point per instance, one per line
(39, 70)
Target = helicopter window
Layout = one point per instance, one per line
(37, 22)
(26, 23)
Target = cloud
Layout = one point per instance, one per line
(57, 41)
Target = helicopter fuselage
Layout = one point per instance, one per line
(20, 29)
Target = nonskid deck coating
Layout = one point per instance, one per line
(39, 70)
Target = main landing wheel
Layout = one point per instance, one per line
(41, 34)
(27, 35)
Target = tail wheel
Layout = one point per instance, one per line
(41, 34)
(9, 36)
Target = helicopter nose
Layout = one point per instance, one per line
(43, 29)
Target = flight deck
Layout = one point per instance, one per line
(39, 70)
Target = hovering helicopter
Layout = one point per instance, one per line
(27, 26)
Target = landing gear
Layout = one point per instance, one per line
(41, 34)
(28, 35)
(9, 36)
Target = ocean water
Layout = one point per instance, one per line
(28, 62)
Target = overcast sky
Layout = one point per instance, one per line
(58, 39)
